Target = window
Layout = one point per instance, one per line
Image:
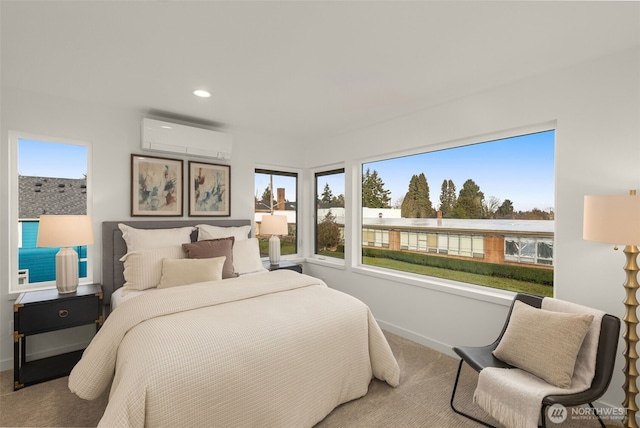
(480, 213)
(276, 193)
(329, 209)
(51, 177)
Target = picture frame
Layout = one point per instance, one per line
(209, 190)
(156, 186)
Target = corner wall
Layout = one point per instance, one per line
(596, 106)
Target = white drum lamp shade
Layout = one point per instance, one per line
(65, 231)
(274, 225)
(614, 219)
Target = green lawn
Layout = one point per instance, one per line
(487, 281)
(471, 278)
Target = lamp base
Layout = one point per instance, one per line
(274, 250)
(67, 271)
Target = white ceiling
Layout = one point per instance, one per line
(297, 69)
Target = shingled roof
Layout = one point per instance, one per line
(49, 195)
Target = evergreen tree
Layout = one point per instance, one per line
(506, 209)
(327, 195)
(470, 201)
(423, 201)
(267, 196)
(416, 202)
(447, 198)
(409, 208)
(338, 201)
(374, 195)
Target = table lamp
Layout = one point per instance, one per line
(274, 225)
(65, 231)
(615, 219)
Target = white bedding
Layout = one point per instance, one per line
(281, 351)
(119, 296)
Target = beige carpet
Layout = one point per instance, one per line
(421, 400)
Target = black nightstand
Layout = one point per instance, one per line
(36, 312)
(283, 265)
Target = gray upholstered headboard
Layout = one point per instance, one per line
(114, 247)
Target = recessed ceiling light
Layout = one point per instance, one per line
(201, 93)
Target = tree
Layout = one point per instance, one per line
(470, 201)
(338, 201)
(374, 195)
(416, 202)
(328, 232)
(506, 209)
(447, 198)
(491, 207)
(327, 195)
(267, 197)
(425, 209)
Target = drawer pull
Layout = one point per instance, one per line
(62, 313)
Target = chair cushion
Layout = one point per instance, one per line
(544, 343)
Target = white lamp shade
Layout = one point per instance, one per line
(64, 231)
(614, 219)
(274, 225)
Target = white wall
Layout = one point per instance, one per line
(114, 135)
(597, 109)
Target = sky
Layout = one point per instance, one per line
(520, 169)
(43, 159)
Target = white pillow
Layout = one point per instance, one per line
(246, 256)
(140, 239)
(206, 231)
(143, 268)
(190, 271)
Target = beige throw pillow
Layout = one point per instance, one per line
(143, 268)
(543, 343)
(190, 271)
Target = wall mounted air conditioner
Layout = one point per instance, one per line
(170, 137)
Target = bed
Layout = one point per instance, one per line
(268, 349)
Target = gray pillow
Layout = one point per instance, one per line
(212, 248)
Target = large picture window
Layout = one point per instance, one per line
(51, 178)
(480, 213)
(276, 193)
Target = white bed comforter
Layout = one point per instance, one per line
(275, 350)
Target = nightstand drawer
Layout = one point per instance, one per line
(55, 315)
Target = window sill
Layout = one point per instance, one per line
(471, 291)
(331, 262)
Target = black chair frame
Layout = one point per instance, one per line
(479, 358)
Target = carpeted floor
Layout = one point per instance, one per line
(421, 400)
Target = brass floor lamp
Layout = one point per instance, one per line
(615, 219)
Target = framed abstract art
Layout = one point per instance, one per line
(156, 186)
(209, 189)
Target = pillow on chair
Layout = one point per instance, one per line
(543, 343)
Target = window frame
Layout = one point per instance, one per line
(286, 172)
(14, 232)
(316, 175)
(434, 283)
